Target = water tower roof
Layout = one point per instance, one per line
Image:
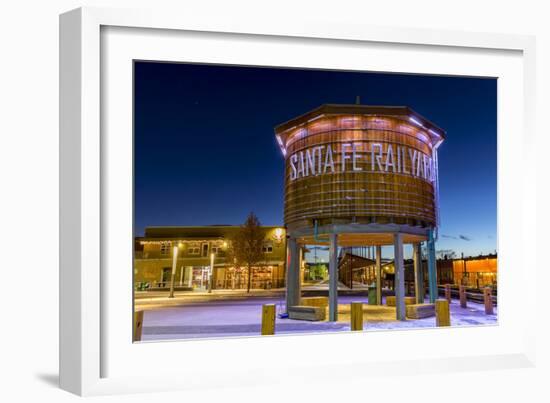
(403, 112)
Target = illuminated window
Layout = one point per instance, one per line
(165, 248)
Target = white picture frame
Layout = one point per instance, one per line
(88, 307)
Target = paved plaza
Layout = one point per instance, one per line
(207, 316)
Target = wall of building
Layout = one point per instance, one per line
(478, 272)
(473, 272)
(154, 255)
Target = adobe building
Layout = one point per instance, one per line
(201, 255)
(359, 175)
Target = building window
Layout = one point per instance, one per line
(219, 248)
(267, 248)
(193, 250)
(204, 249)
(165, 248)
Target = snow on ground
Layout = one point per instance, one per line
(242, 317)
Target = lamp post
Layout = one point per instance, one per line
(211, 272)
(174, 265)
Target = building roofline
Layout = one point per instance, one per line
(209, 226)
(177, 238)
(196, 232)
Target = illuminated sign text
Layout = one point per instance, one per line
(361, 156)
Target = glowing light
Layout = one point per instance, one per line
(434, 133)
(416, 122)
(315, 118)
(405, 128)
(281, 145)
(423, 137)
(301, 133)
(349, 120)
(278, 236)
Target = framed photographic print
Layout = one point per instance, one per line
(262, 196)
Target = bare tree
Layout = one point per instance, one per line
(247, 245)
(446, 254)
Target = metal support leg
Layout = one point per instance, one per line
(432, 272)
(293, 274)
(399, 277)
(418, 274)
(378, 275)
(333, 278)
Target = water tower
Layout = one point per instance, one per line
(360, 175)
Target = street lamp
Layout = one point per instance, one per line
(174, 265)
(278, 236)
(211, 272)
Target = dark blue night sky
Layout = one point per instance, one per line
(205, 151)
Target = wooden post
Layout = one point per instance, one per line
(448, 292)
(462, 293)
(442, 313)
(268, 319)
(356, 316)
(138, 325)
(487, 298)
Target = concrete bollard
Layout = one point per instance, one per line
(442, 313)
(268, 319)
(138, 325)
(488, 300)
(448, 292)
(462, 293)
(356, 316)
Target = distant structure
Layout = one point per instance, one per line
(474, 271)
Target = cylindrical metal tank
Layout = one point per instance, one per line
(360, 164)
